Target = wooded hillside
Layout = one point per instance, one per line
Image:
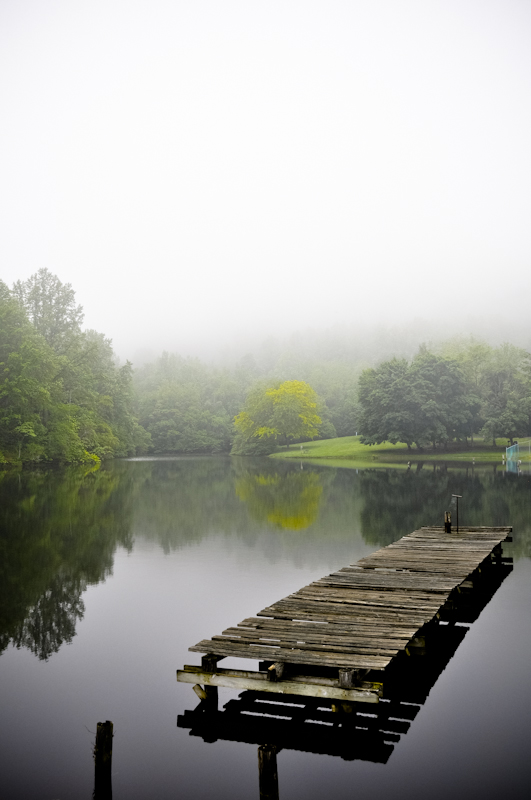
(65, 397)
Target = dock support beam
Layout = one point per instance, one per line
(208, 695)
(210, 662)
(346, 678)
(349, 678)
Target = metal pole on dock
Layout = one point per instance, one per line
(457, 497)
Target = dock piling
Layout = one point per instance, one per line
(268, 772)
(103, 761)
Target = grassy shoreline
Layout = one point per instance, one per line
(349, 448)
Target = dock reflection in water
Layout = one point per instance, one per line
(351, 731)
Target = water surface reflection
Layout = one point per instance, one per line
(60, 528)
(107, 577)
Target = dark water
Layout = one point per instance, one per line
(106, 578)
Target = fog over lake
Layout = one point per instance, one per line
(206, 174)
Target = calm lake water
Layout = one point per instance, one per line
(108, 576)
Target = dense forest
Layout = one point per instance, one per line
(65, 397)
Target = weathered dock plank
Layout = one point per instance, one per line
(287, 632)
(341, 657)
(359, 617)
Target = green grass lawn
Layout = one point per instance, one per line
(350, 447)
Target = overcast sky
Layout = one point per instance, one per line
(199, 170)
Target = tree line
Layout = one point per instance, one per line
(188, 406)
(65, 397)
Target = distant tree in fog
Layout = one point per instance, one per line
(424, 402)
(506, 390)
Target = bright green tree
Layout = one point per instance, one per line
(279, 414)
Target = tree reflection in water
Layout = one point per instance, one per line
(51, 622)
(60, 529)
(398, 501)
(287, 501)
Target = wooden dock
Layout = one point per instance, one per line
(349, 730)
(335, 637)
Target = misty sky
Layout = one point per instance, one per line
(203, 170)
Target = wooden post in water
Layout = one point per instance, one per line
(267, 772)
(447, 522)
(103, 761)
